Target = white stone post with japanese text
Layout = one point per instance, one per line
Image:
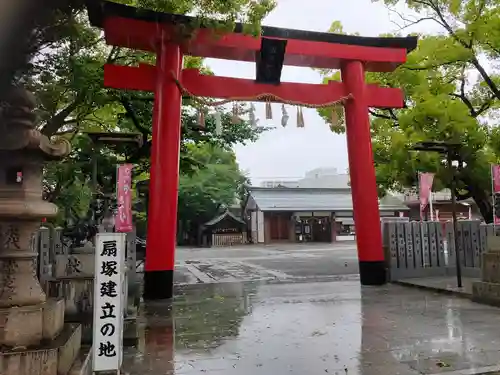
(108, 302)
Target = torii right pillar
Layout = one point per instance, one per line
(372, 269)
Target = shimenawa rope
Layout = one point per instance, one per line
(267, 97)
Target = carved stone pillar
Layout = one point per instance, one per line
(23, 150)
(488, 289)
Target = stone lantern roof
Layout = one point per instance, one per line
(18, 129)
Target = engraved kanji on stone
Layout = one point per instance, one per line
(109, 249)
(73, 266)
(109, 268)
(108, 289)
(106, 349)
(108, 311)
(11, 237)
(108, 329)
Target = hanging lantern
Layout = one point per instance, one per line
(218, 122)
(269, 111)
(284, 116)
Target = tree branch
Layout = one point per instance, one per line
(487, 79)
(463, 97)
(410, 22)
(480, 9)
(466, 45)
(379, 115)
(494, 49)
(486, 105)
(431, 66)
(131, 114)
(446, 25)
(462, 196)
(69, 131)
(52, 195)
(391, 116)
(113, 55)
(53, 125)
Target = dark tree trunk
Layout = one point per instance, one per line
(484, 205)
(482, 199)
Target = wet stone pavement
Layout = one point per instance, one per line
(310, 325)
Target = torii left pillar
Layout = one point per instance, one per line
(164, 176)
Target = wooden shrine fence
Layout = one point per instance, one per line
(228, 239)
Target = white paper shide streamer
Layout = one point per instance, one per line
(218, 122)
(284, 116)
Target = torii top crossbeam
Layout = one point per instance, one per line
(141, 29)
(130, 27)
(172, 36)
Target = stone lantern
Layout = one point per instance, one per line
(33, 338)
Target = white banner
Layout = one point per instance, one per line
(108, 302)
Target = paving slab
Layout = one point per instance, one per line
(315, 328)
(299, 309)
(445, 284)
(271, 263)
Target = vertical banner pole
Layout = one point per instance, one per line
(419, 195)
(430, 206)
(492, 171)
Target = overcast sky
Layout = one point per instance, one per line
(289, 152)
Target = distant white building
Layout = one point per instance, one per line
(315, 178)
(278, 183)
(321, 172)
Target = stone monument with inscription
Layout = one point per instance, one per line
(488, 289)
(33, 336)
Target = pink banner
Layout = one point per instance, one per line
(123, 221)
(425, 181)
(495, 175)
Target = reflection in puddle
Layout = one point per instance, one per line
(312, 328)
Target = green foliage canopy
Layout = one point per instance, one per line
(452, 95)
(64, 68)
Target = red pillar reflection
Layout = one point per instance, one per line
(164, 176)
(362, 175)
(159, 344)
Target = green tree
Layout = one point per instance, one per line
(64, 60)
(205, 191)
(68, 182)
(450, 96)
(217, 177)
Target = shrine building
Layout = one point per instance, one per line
(283, 214)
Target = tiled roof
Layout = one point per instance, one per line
(313, 199)
(217, 219)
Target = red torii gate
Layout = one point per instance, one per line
(139, 29)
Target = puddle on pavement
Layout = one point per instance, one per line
(313, 328)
